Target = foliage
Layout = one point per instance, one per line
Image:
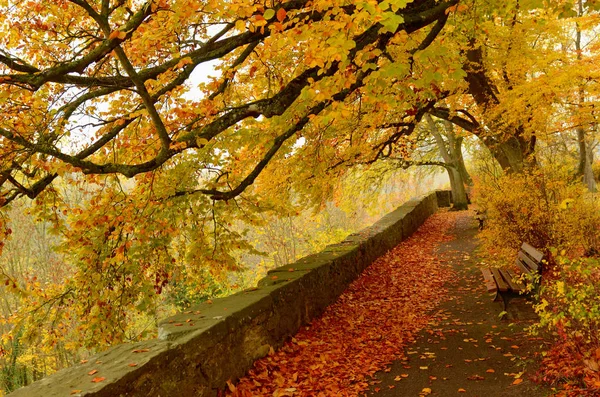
(569, 308)
(539, 207)
(165, 143)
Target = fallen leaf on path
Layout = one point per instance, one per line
(369, 326)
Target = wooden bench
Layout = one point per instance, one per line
(506, 283)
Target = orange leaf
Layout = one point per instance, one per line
(462, 391)
(450, 9)
(141, 350)
(517, 381)
(132, 365)
(75, 391)
(231, 386)
(490, 371)
(281, 13)
(100, 379)
(183, 62)
(117, 34)
(92, 372)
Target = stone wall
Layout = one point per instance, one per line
(199, 350)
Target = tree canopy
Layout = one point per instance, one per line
(147, 132)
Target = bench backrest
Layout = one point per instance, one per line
(529, 259)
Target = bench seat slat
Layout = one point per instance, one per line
(522, 266)
(488, 278)
(533, 265)
(502, 286)
(532, 252)
(517, 281)
(509, 280)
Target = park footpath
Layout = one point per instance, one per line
(418, 322)
(467, 349)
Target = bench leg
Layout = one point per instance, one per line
(504, 298)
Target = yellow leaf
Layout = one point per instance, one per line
(240, 25)
(270, 13)
(201, 142)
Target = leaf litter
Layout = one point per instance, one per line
(366, 329)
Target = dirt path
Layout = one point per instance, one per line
(467, 350)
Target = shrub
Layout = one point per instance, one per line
(569, 309)
(542, 209)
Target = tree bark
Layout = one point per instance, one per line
(451, 153)
(513, 150)
(586, 155)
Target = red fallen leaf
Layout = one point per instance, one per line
(410, 273)
(132, 365)
(99, 379)
(517, 381)
(141, 351)
(92, 372)
(462, 391)
(490, 371)
(514, 347)
(75, 391)
(177, 325)
(231, 386)
(475, 377)
(274, 277)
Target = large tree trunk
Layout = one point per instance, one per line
(586, 155)
(588, 172)
(511, 146)
(457, 185)
(451, 152)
